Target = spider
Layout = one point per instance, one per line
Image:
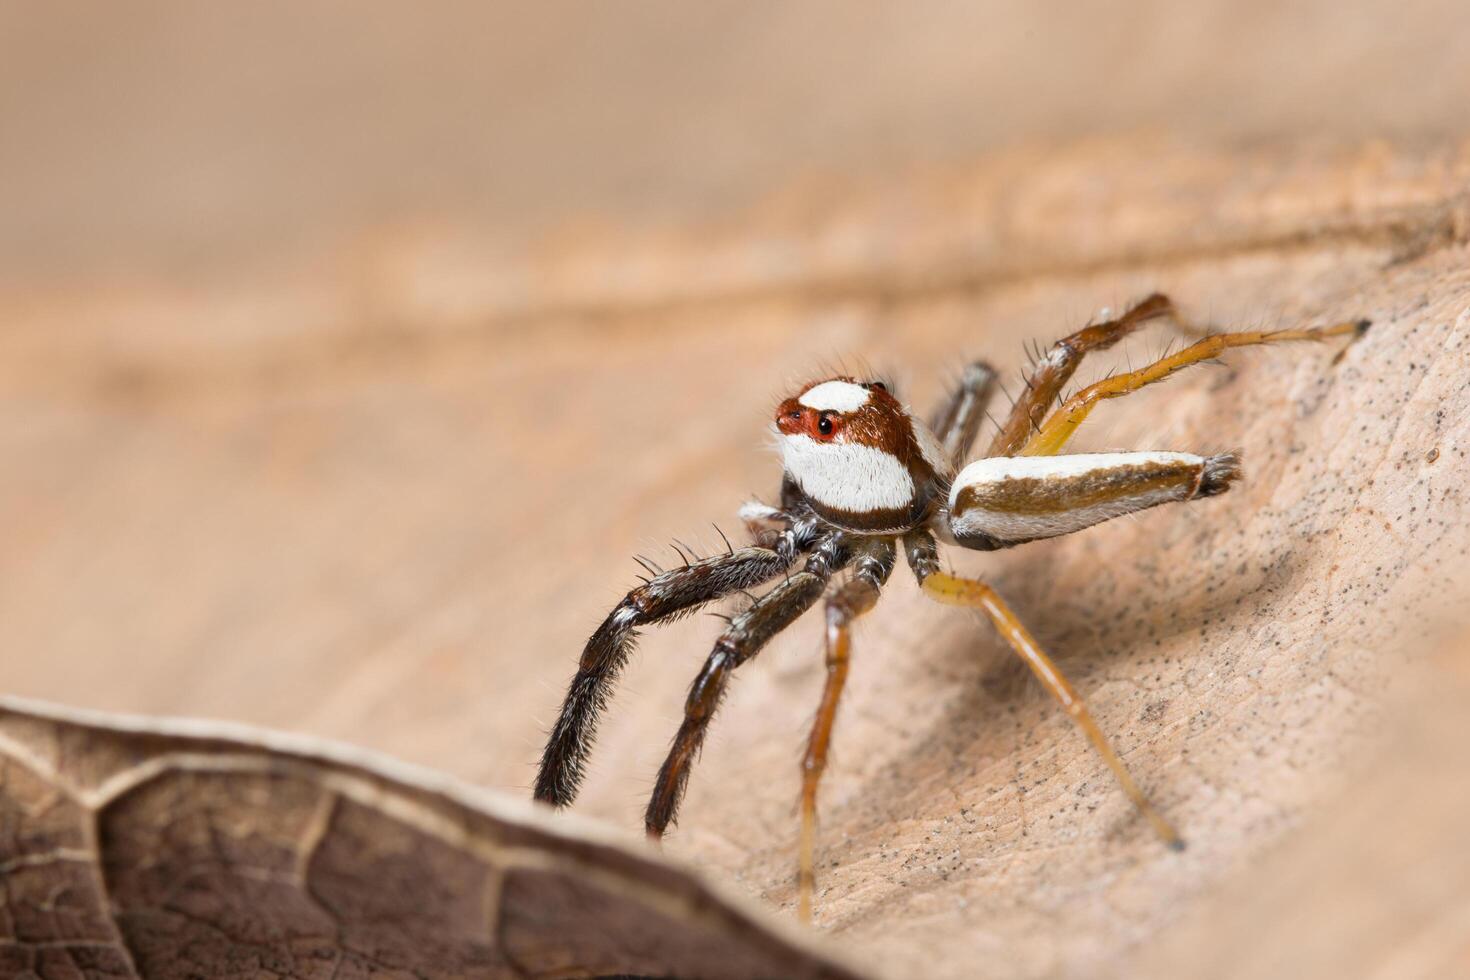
(865, 479)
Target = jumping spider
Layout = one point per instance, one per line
(863, 479)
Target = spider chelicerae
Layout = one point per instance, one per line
(865, 479)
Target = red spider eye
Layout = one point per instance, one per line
(825, 425)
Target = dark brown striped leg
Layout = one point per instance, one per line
(972, 594)
(1061, 362)
(747, 634)
(853, 598)
(958, 420)
(667, 596)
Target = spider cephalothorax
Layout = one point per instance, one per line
(862, 461)
(865, 479)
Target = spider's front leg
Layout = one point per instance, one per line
(923, 558)
(747, 634)
(844, 604)
(1051, 437)
(667, 596)
(1061, 362)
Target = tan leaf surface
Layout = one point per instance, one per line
(1376, 883)
(393, 516)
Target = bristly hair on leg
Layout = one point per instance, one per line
(669, 596)
(1030, 349)
(1006, 391)
(1221, 471)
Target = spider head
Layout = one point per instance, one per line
(861, 460)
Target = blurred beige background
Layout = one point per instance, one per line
(170, 135)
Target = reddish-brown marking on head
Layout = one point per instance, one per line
(794, 418)
(850, 411)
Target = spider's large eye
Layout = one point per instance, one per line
(825, 425)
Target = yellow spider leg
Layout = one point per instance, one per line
(970, 593)
(855, 597)
(839, 645)
(1062, 423)
(1056, 368)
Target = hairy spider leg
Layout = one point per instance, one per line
(846, 603)
(923, 558)
(747, 634)
(1053, 435)
(668, 596)
(958, 420)
(1061, 362)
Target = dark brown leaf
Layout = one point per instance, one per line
(168, 850)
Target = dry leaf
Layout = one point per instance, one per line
(394, 521)
(164, 849)
(1376, 883)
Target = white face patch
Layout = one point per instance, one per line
(847, 476)
(835, 396)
